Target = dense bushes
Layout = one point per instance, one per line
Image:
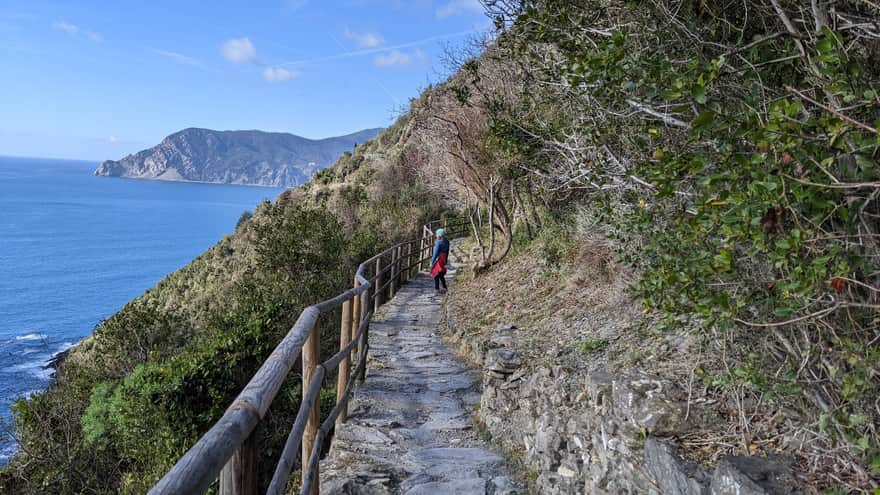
(732, 151)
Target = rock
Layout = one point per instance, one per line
(356, 434)
(741, 475)
(352, 487)
(645, 401)
(503, 486)
(566, 471)
(672, 475)
(505, 327)
(454, 458)
(501, 341)
(448, 421)
(599, 384)
(474, 486)
(502, 361)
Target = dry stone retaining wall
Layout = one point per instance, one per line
(598, 432)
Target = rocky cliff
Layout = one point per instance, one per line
(234, 157)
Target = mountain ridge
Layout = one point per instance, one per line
(243, 157)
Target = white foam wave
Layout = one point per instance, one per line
(32, 336)
(36, 368)
(63, 347)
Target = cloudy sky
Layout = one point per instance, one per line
(100, 79)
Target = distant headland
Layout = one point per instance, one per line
(234, 157)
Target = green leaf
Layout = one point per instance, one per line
(782, 311)
(703, 120)
(699, 94)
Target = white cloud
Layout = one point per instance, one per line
(294, 5)
(460, 7)
(365, 40)
(113, 139)
(400, 59)
(239, 50)
(278, 74)
(74, 30)
(71, 29)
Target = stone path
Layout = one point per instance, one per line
(410, 430)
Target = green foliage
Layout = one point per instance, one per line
(590, 346)
(738, 177)
(555, 242)
(243, 219)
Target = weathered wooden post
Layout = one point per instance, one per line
(377, 289)
(239, 475)
(344, 369)
(366, 304)
(395, 259)
(399, 277)
(408, 276)
(355, 313)
(429, 236)
(311, 356)
(424, 247)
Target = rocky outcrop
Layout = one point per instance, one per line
(599, 432)
(234, 157)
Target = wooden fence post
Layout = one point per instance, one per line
(311, 356)
(355, 315)
(395, 259)
(422, 251)
(362, 344)
(408, 275)
(377, 292)
(399, 278)
(428, 250)
(239, 475)
(403, 269)
(344, 369)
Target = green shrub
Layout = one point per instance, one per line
(590, 346)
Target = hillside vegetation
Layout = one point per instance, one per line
(723, 156)
(133, 397)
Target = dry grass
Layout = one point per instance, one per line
(582, 315)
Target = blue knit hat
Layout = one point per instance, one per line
(441, 232)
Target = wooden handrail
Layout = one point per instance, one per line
(201, 465)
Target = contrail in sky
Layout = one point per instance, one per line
(370, 51)
(390, 95)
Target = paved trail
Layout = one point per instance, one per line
(410, 429)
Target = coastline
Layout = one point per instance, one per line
(186, 181)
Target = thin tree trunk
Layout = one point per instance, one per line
(477, 235)
(491, 221)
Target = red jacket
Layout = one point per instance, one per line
(439, 265)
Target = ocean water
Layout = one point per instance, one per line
(74, 248)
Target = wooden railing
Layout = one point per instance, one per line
(230, 451)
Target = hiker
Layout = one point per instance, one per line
(438, 261)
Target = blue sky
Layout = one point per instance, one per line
(100, 79)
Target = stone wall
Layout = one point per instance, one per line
(598, 432)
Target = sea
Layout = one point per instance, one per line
(74, 248)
